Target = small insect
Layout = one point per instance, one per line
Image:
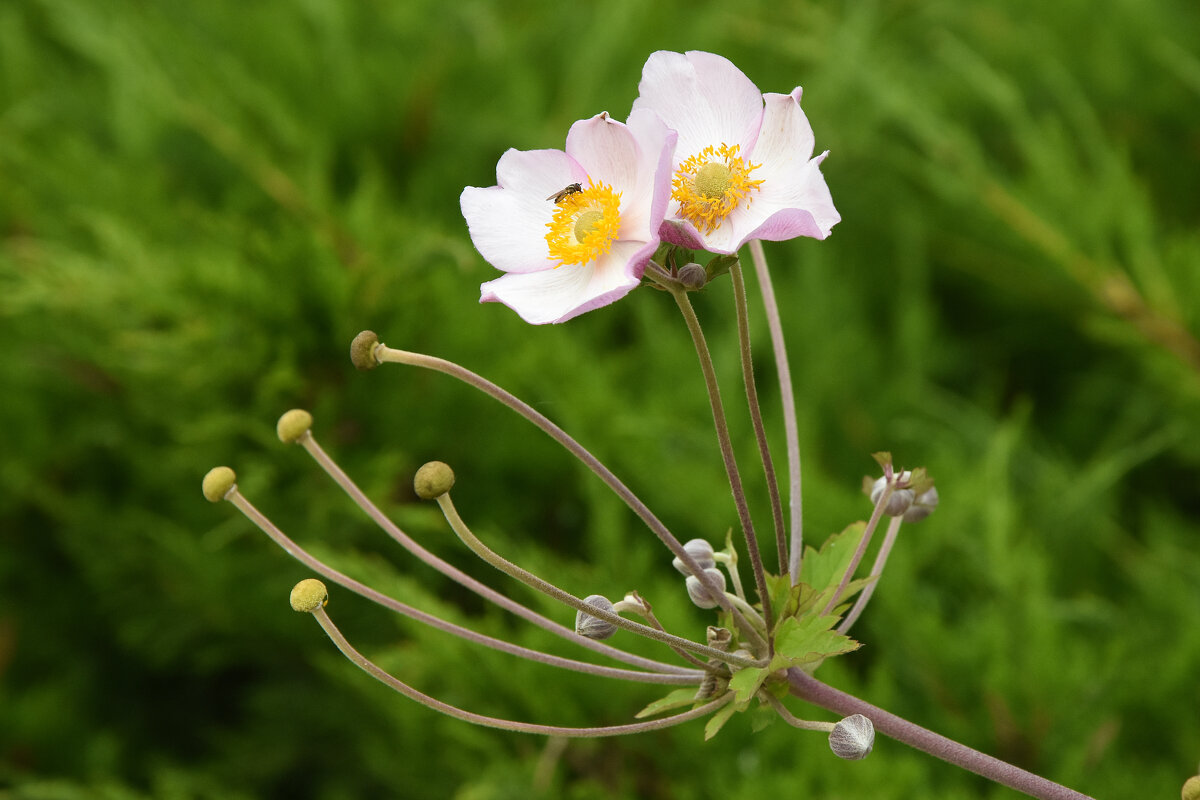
(562, 194)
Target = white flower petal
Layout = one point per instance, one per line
(606, 150)
(537, 172)
(704, 97)
(557, 295)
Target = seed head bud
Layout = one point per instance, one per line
(692, 276)
(1191, 788)
(594, 627)
(217, 483)
(852, 738)
(718, 637)
(699, 594)
(899, 501)
(433, 480)
(362, 350)
(293, 424)
(308, 595)
(923, 505)
(698, 549)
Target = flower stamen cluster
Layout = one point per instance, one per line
(710, 184)
(585, 225)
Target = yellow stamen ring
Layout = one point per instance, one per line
(585, 224)
(711, 184)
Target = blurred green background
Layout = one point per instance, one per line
(202, 203)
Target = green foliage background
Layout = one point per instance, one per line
(202, 203)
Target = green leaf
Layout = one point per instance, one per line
(718, 720)
(807, 639)
(719, 265)
(779, 589)
(745, 682)
(823, 569)
(676, 699)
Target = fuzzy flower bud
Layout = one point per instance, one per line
(362, 350)
(852, 738)
(217, 483)
(698, 549)
(293, 424)
(923, 505)
(594, 627)
(1191, 788)
(699, 594)
(693, 276)
(308, 595)
(899, 501)
(433, 480)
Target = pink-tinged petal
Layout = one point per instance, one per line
(702, 96)
(557, 295)
(606, 150)
(797, 187)
(645, 206)
(682, 233)
(793, 199)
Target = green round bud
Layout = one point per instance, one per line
(852, 738)
(293, 424)
(433, 480)
(362, 350)
(1191, 788)
(217, 483)
(308, 595)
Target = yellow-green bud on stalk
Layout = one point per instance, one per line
(218, 483)
(852, 738)
(923, 505)
(900, 499)
(293, 424)
(699, 594)
(698, 549)
(593, 627)
(433, 480)
(308, 595)
(1191, 788)
(362, 350)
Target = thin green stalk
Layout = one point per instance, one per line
(380, 353)
(309, 443)
(872, 524)
(790, 429)
(726, 446)
(321, 568)
(760, 432)
(876, 571)
(550, 590)
(368, 666)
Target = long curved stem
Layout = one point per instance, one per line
(760, 432)
(731, 470)
(881, 558)
(809, 688)
(382, 353)
(368, 666)
(321, 568)
(529, 579)
(309, 443)
(790, 428)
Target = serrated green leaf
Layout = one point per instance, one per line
(810, 638)
(822, 568)
(718, 720)
(779, 589)
(676, 699)
(745, 682)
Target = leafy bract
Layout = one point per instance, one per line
(676, 699)
(803, 640)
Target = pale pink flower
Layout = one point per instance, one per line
(743, 166)
(573, 230)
